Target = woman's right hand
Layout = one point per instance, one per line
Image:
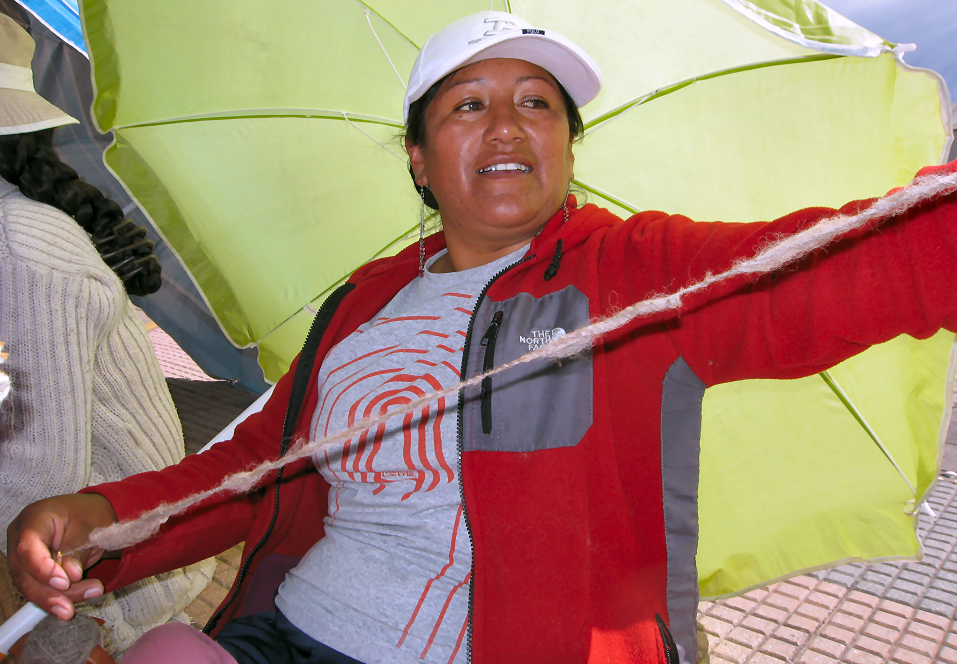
(52, 525)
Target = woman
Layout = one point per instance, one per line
(548, 516)
(88, 402)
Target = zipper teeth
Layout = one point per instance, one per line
(244, 568)
(283, 448)
(460, 444)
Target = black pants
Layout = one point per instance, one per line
(269, 638)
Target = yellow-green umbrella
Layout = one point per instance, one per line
(262, 139)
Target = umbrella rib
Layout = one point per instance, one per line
(608, 197)
(256, 113)
(373, 138)
(309, 306)
(389, 23)
(860, 419)
(592, 125)
(368, 14)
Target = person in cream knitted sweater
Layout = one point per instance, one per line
(88, 402)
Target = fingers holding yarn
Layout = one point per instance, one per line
(37, 540)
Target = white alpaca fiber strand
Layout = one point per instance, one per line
(773, 257)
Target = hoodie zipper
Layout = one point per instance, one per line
(322, 318)
(487, 365)
(460, 445)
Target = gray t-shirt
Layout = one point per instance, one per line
(389, 582)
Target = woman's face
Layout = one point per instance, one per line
(497, 152)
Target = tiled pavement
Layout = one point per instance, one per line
(856, 614)
(862, 614)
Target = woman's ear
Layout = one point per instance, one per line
(416, 162)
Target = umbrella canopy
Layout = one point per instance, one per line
(61, 74)
(928, 24)
(263, 140)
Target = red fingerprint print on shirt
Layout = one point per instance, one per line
(416, 355)
(394, 486)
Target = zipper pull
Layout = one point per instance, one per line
(492, 331)
(487, 365)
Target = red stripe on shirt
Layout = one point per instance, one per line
(445, 608)
(349, 387)
(434, 334)
(428, 585)
(454, 369)
(399, 319)
(458, 644)
(322, 387)
(385, 401)
(436, 432)
(380, 430)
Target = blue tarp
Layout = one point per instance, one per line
(62, 17)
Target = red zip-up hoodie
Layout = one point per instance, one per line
(579, 479)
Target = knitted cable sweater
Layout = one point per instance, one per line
(88, 402)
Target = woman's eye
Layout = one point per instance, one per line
(535, 103)
(472, 105)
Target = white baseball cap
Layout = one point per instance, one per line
(22, 110)
(492, 34)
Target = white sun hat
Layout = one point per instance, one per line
(22, 110)
(500, 35)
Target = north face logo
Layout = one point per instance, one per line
(538, 338)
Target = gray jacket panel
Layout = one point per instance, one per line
(535, 406)
(681, 399)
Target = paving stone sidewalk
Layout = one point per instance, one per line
(856, 614)
(860, 614)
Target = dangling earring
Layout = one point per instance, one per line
(565, 204)
(422, 234)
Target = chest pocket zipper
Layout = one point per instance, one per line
(488, 364)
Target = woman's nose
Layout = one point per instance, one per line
(505, 124)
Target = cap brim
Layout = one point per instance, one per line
(579, 77)
(22, 112)
(571, 66)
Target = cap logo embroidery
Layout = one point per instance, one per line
(498, 27)
(538, 338)
(532, 31)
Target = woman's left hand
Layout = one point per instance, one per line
(39, 533)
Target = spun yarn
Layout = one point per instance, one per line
(776, 255)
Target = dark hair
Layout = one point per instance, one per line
(415, 127)
(30, 162)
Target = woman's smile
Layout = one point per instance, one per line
(509, 167)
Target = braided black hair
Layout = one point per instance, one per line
(30, 162)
